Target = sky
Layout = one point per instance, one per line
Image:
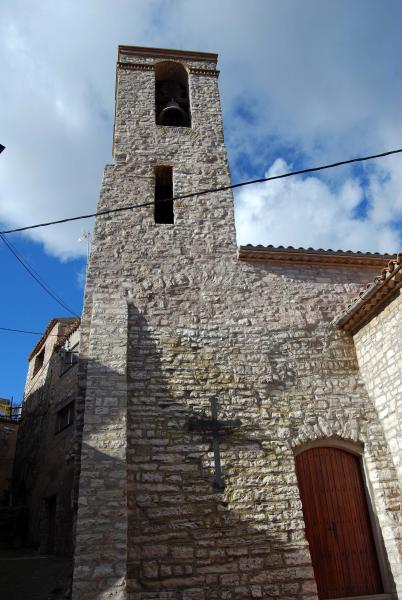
(302, 83)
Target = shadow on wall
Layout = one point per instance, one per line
(183, 535)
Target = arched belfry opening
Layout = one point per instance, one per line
(172, 104)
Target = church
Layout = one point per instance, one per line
(239, 408)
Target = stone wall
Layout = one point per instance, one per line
(379, 354)
(172, 318)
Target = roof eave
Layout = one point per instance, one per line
(290, 255)
(370, 301)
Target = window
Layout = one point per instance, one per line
(163, 210)
(65, 417)
(39, 360)
(172, 106)
(69, 358)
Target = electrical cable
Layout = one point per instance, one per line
(203, 192)
(53, 294)
(24, 331)
(22, 257)
(39, 280)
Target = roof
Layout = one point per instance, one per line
(368, 302)
(289, 254)
(71, 324)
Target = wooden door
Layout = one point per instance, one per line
(337, 523)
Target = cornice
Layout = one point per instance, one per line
(312, 257)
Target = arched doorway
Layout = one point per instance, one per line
(337, 521)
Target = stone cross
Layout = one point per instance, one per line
(214, 426)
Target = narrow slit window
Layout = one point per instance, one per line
(163, 209)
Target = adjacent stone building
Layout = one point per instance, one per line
(12, 520)
(43, 480)
(231, 448)
(8, 437)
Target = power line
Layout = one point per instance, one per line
(59, 300)
(39, 280)
(18, 255)
(203, 192)
(36, 276)
(24, 331)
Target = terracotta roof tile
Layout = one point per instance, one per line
(363, 307)
(290, 254)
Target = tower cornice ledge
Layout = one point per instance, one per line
(131, 66)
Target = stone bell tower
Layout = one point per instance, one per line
(168, 139)
(148, 267)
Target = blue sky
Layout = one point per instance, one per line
(302, 83)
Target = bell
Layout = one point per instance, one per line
(172, 114)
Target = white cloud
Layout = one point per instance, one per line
(310, 81)
(81, 277)
(385, 192)
(307, 212)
